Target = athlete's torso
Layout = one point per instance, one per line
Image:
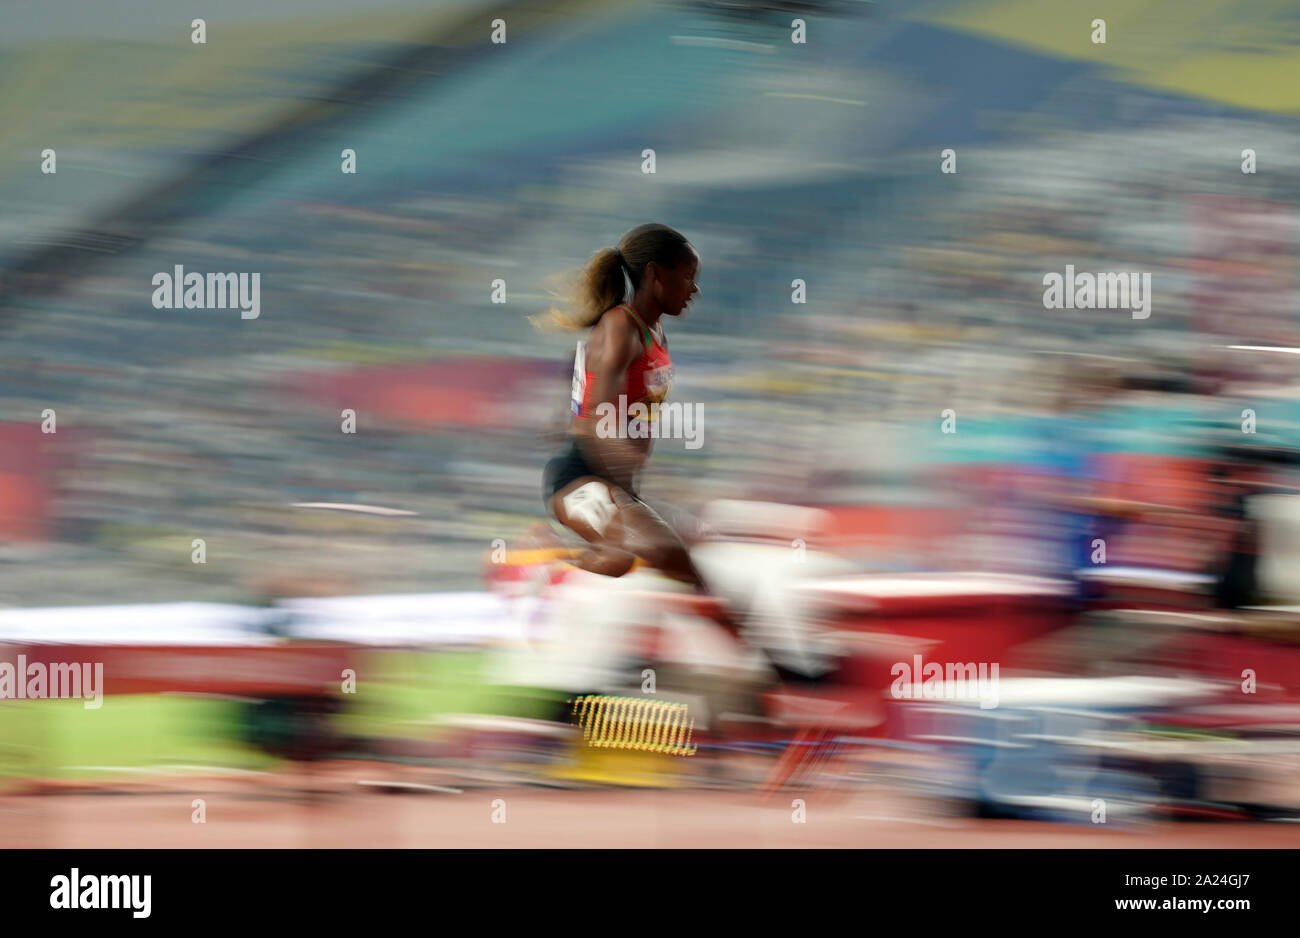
(648, 378)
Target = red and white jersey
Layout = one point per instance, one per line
(648, 379)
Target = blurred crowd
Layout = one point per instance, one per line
(924, 295)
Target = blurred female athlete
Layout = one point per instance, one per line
(591, 486)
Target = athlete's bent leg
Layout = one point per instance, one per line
(647, 535)
(620, 528)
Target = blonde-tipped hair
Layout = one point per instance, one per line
(600, 284)
(582, 296)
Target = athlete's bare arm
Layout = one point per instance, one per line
(614, 344)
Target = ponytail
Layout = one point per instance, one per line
(603, 282)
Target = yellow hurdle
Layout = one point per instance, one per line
(629, 741)
(635, 723)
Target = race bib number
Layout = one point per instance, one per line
(658, 381)
(592, 505)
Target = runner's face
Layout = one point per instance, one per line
(677, 286)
